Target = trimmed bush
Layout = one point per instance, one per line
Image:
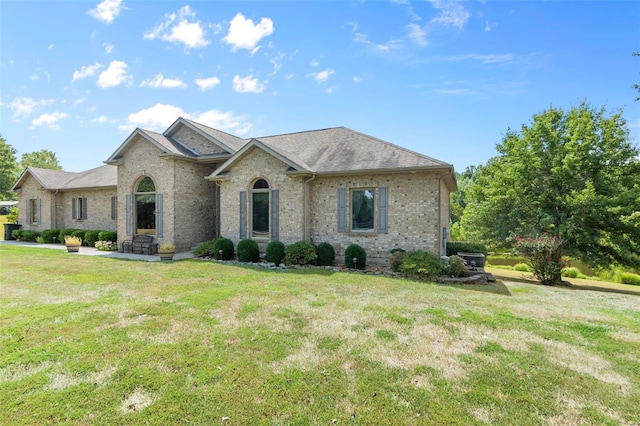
(455, 266)
(355, 251)
(455, 247)
(226, 245)
(300, 253)
(326, 254)
(275, 252)
(204, 249)
(421, 264)
(570, 272)
(90, 237)
(63, 232)
(248, 251)
(17, 234)
(522, 267)
(50, 236)
(396, 259)
(80, 234)
(629, 278)
(29, 235)
(108, 236)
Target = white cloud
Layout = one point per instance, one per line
(161, 116)
(322, 76)
(51, 46)
(49, 120)
(115, 75)
(103, 119)
(451, 13)
(491, 58)
(389, 46)
(207, 83)
(108, 48)
(24, 107)
(159, 81)
(356, 79)
(87, 71)
(181, 27)
(243, 34)
(107, 10)
(417, 34)
(247, 84)
(314, 63)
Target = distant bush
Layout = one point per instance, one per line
(226, 245)
(421, 264)
(29, 235)
(204, 249)
(629, 278)
(326, 254)
(64, 232)
(108, 236)
(275, 252)
(50, 236)
(90, 237)
(396, 259)
(522, 267)
(357, 252)
(16, 234)
(300, 253)
(455, 247)
(79, 233)
(248, 251)
(570, 272)
(455, 266)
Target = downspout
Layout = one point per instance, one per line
(217, 196)
(54, 207)
(305, 225)
(440, 233)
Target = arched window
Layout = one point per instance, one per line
(260, 209)
(145, 199)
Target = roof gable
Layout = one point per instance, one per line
(100, 177)
(217, 140)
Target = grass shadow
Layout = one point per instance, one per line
(496, 287)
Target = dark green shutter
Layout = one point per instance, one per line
(159, 216)
(128, 213)
(275, 218)
(243, 215)
(342, 209)
(383, 208)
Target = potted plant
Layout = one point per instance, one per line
(73, 243)
(166, 251)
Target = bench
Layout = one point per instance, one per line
(141, 244)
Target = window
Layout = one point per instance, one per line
(260, 209)
(145, 204)
(32, 211)
(362, 209)
(78, 208)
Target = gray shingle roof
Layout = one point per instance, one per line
(100, 177)
(233, 142)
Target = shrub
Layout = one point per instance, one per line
(63, 232)
(12, 217)
(629, 278)
(300, 253)
(29, 235)
(570, 272)
(326, 254)
(248, 251)
(275, 252)
(108, 236)
(106, 245)
(17, 234)
(522, 267)
(357, 252)
(545, 256)
(90, 237)
(204, 249)
(455, 247)
(455, 266)
(421, 264)
(396, 259)
(50, 236)
(226, 245)
(72, 240)
(80, 234)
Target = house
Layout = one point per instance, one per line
(193, 183)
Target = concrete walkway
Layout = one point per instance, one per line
(92, 251)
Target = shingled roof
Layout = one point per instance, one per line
(100, 177)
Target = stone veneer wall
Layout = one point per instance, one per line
(445, 213)
(257, 164)
(413, 214)
(98, 210)
(31, 189)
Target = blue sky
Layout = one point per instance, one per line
(446, 79)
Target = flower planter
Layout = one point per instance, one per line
(166, 255)
(73, 248)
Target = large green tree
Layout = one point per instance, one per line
(43, 159)
(574, 175)
(8, 169)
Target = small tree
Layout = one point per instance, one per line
(544, 255)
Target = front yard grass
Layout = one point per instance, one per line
(91, 340)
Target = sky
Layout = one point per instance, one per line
(446, 79)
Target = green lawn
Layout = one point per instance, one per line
(91, 340)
